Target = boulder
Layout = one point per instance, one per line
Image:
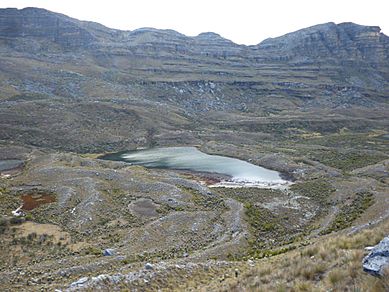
(108, 252)
(378, 259)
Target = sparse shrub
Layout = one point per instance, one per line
(29, 217)
(385, 279)
(265, 271)
(336, 276)
(354, 268)
(350, 212)
(3, 225)
(126, 261)
(303, 286)
(42, 238)
(281, 287)
(23, 240)
(93, 251)
(16, 220)
(310, 270)
(3, 221)
(31, 236)
(317, 189)
(309, 252)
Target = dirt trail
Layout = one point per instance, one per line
(235, 232)
(326, 221)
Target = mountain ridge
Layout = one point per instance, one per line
(335, 39)
(59, 61)
(94, 26)
(36, 31)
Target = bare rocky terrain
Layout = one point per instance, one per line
(312, 104)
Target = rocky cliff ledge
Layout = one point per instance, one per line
(40, 23)
(340, 41)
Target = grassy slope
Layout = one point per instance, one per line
(331, 263)
(328, 263)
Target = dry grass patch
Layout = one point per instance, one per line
(331, 263)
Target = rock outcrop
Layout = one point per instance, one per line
(377, 260)
(346, 41)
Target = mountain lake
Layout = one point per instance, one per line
(238, 173)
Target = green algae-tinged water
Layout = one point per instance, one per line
(190, 158)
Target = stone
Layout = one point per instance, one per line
(369, 248)
(18, 212)
(108, 252)
(378, 259)
(149, 266)
(79, 282)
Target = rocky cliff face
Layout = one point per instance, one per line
(343, 41)
(346, 54)
(56, 66)
(38, 23)
(33, 23)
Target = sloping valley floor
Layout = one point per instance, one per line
(168, 230)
